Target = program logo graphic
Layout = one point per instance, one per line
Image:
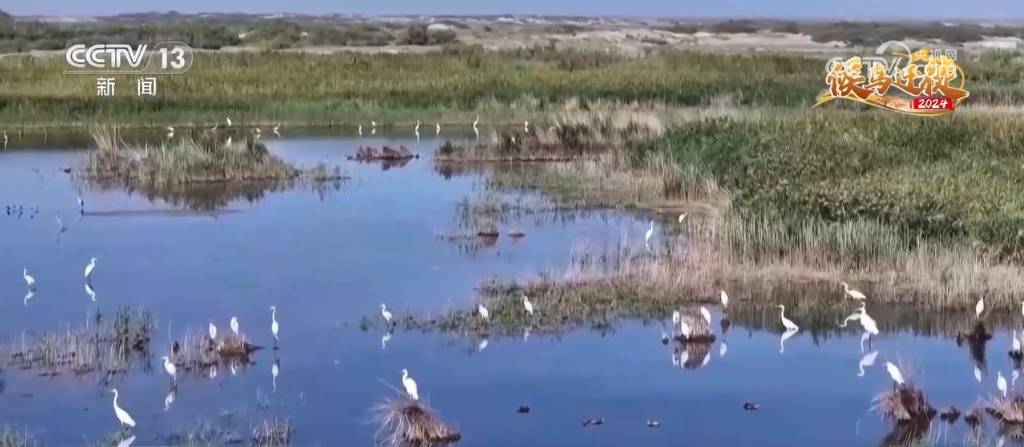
(926, 82)
(162, 58)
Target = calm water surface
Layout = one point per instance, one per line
(327, 259)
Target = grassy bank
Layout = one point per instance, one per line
(450, 87)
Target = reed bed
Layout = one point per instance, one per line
(207, 157)
(904, 403)
(107, 348)
(269, 433)
(12, 437)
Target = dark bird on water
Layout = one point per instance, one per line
(523, 409)
(751, 406)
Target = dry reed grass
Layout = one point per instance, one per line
(403, 421)
(270, 433)
(904, 403)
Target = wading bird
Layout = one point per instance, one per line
(894, 372)
(228, 119)
(274, 327)
(1016, 343)
(682, 217)
(1001, 382)
(649, 233)
(980, 307)
(234, 325)
(228, 142)
(526, 126)
(410, 385)
(528, 305)
(360, 130)
(684, 330)
(706, 314)
(482, 345)
(867, 322)
(90, 291)
(416, 130)
(790, 326)
(725, 300)
(480, 309)
(170, 132)
(170, 368)
(437, 128)
(122, 416)
(385, 313)
(866, 361)
(676, 318)
(213, 331)
(476, 121)
(276, 132)
(852, 293)
(5, 139)
(29, 280)
(89, 268)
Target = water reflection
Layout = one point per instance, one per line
(786, 336)
(211, 196)
(866, 361)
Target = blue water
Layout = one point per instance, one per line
(326, 261)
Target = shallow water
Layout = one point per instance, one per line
(328, 258)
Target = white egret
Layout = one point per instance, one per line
(782, 340)
(866, 361)
(684, 330)
(228, 119)
(790, 326)
(480, 309)
(29, 280)
(706, 315)
(228, 142)
(528, 305)
(5, 138)
(649, 233)
(276, 132)
(384, 339)
(373, 124)
(437, 128)
(676, 318)
(476, 121)
(122, 416)
(722, 349)
(867, 322)
(980, 307)
(416, 130)
(526, 126)
(410, 385)
(89, 268)
(170, 132)
(275, 369)
(1016, 341)
(169, 400)
(1022, 307)
(682, 217)
(170, 368)
(1001, 382)
(90, 291)
(274, 327)
(213, 331)
(854, 316)
(725, 300)
(234, 325)
(977, 373)
(385, 313)
(360, 130)
(852, 293)
(482, 345)
(895, 373)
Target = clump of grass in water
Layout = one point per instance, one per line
(904, 403)
(403, 421)
(11, 437)
(272, 433)
(207, 157)
(1008, 410)
(108, 348)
